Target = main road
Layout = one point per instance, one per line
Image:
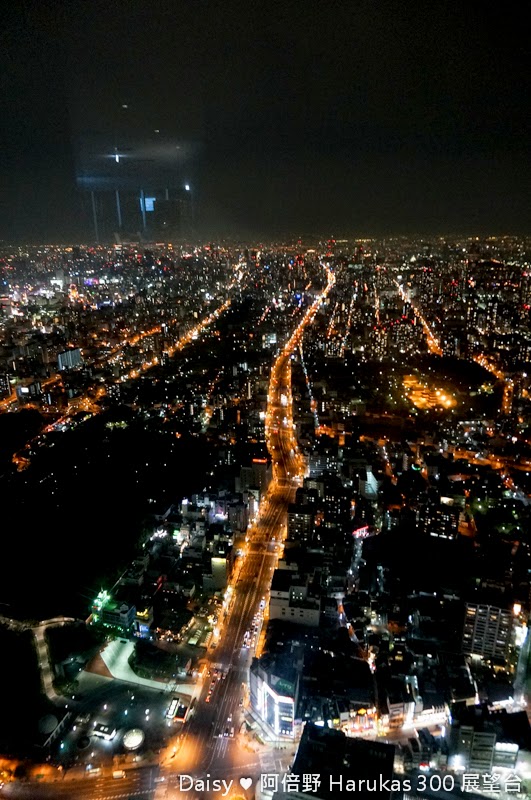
(211, 743)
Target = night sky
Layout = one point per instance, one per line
(340, 118)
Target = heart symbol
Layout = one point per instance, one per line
(246, 783)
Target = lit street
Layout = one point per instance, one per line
(211, 740)
(139, 782)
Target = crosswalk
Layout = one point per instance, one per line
(271, 762)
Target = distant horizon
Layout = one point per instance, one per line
(266, 239)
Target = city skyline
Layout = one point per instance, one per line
(291, 485)
(265, 400)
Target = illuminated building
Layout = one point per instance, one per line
(215, 577)
(312, 484)
(269, 340)
(143, 622)
(112, 614)
(379, 343)
(487, 631)
(289, 600)
(273, 686)
(368, 485)
(257, 475)
(481, 742)
(120, 615)
(69, 359)
(300, 522)
(106, 732)
(323, 458)
(28, 391)
(439, 520)
(238, 516)
(451, 343)
(5, 386)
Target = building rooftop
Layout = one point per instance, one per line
(334, 755)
